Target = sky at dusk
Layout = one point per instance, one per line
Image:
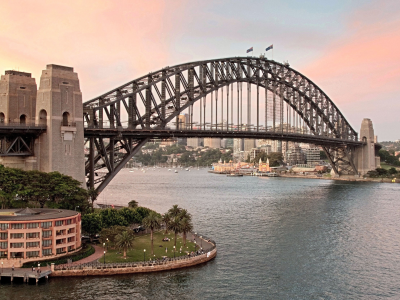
(350, 49)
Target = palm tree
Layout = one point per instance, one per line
(152, 221)
(186, 226)
(174, 211)
(166, 218)
(185, 214)
(175, 226)
(124, 241)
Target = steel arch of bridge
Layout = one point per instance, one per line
(151, 103)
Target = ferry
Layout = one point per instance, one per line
(273, 174)
(234, 175)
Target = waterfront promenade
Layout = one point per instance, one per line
(92, 266)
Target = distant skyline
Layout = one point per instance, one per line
(350, 49)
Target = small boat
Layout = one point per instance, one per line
(176, 171)
(273, 174)
(131, 171)
(169, 169)
(187, 169)
(234, 175)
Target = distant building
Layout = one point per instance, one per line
(212, 143)
(295, 156)
(313, 156)
(249, 144)
(194, 142)
(254, 152)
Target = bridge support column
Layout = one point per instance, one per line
(60, 103)
(365, 158)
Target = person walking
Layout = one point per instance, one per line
(12, 268)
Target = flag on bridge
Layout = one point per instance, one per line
(249, 50)
(270, 47)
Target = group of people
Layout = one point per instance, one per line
(38, 270)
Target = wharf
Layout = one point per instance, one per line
(25, 273)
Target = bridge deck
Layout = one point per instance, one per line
(10, 129)
(165, 133)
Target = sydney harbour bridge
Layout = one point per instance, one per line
(238, 97)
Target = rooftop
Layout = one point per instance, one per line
(29, 214)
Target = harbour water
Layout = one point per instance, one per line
(277, 238)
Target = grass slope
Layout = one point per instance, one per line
(143, 242)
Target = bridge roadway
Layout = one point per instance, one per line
(169, 133)
(10, 129)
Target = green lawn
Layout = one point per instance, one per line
(387, 167)
(143, 242)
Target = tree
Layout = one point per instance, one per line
(166, 219)
(124, 241)
(185, 227)
(153, 222)
(186, 223)
(111, 217)
(175, 226)
(174, 211)
(91, 224)
(392, 171)
(130, 215)
(92, 194)
(108, 235)
(133, 204)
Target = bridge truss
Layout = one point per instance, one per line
(239, 97)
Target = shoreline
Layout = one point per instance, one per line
(99, 269)
(341, 178)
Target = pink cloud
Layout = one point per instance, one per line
(365, 64)
(107, 43)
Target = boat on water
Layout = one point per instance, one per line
(234, 175)
(187, 169)
(169, 169)
(273, 174)
(176, 171)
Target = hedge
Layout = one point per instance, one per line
(83, 253)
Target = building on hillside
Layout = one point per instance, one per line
(194, 142)
(313, 156)
(295, 156)
(169, 142)
(276, 146)
(37, 234)
(183, 121)
(254, 152)
(238, 145)
(249, 144)
(212, 143)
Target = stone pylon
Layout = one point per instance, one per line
(59, 106)
(365, 157)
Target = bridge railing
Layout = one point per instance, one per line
(23, 125)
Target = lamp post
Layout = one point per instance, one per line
(144, 254)
(38, 265)
(194, 246)
(107, 244)
(104, 256)
(174, 251)
(76, 207)
(1, 267)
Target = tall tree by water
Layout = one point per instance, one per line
(124, 241)
(153, 222)
(175, 226)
